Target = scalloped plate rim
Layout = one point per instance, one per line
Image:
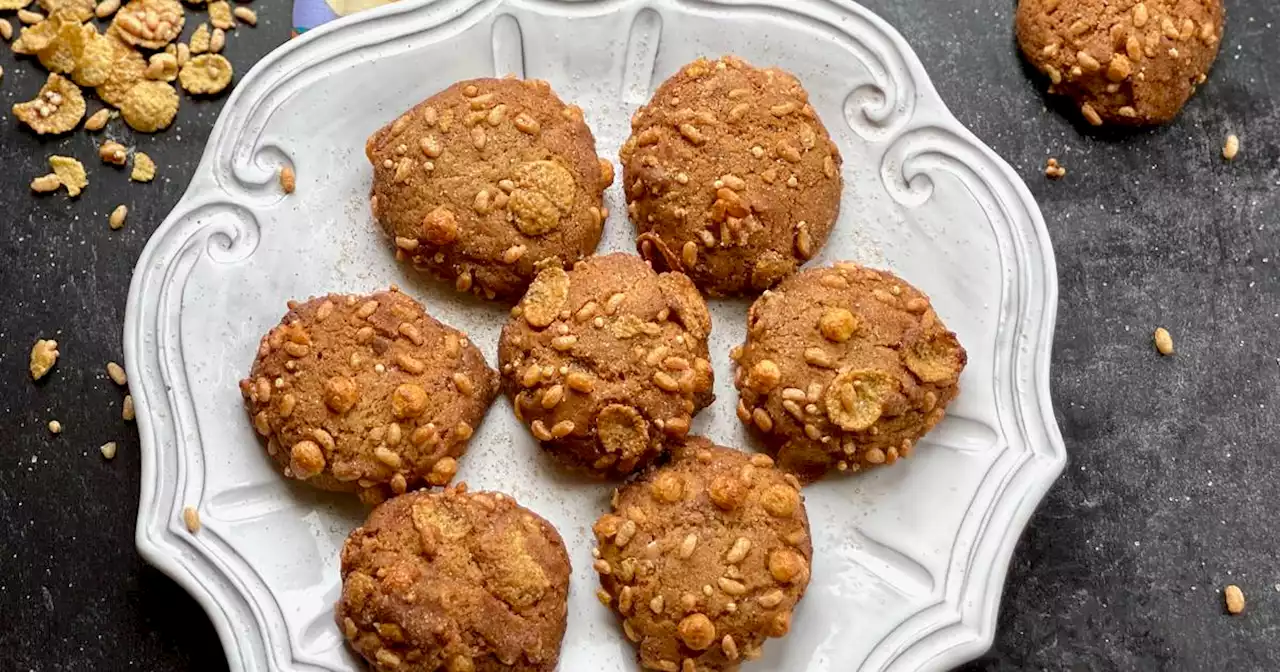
(981, 625)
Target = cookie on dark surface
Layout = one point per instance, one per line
(1122, 61)
(483, 181)
(730, 176)
(705, 558)
(844, 368)
(455, 580)
(608, 362)
(367, 394)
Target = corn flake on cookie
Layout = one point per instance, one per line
(485, 180)
(455, 581)
(607, 363)
(367, 394)
(730, 176)
(1122, 61)
(705, 558)
(844, 368)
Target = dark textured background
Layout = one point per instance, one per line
(1173, 489)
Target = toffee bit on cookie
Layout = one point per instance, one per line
(44, 354)
(1163, 341)
(191, 518)
(1231, 148)
(108, 450)
(1054, 170)
(1234, 599)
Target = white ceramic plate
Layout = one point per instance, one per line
(909, 561)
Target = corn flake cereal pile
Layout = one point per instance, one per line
(132, 65)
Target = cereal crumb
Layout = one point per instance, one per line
(58, 107)
(1164, 341)
(113, 152)
(200, 39)
(206, 74)
(116, 373)
(144, 169)
(98, 120)
(127, 413)
(246, 15)
(108, 450)
(29, 17)
(1054, 170)
(116, 220)
(1231, 148)
(288, 180)
(1234, 598)
(6, 29)
(46, 183)
(150, 105)
(43, 356)
(70, 173)
(55, 427)
(220, 15)
(192, 518)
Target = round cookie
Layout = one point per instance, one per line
(367, 394)
(455, 580)
(1122, 61)
(730, 176)
(607, 362)
(704, 558)
(844, 368)
(485, 180)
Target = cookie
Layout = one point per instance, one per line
(1122, 61)
(367, 394)
(484, 181)
(455, 580)
(704, 558)
(844, 368)
(730, 176)
(608, 362)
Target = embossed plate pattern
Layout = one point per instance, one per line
(909, 560)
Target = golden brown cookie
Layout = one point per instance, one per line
(705, 558)
(844, 368)
(483, 181)
(730, 176)
(455, 581)
(1122, 61)
(367, 394)
(608, 362)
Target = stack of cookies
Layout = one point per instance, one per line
(732, 183)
